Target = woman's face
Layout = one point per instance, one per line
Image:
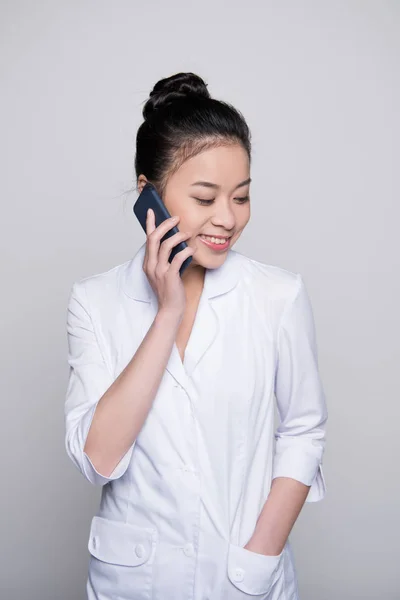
(210, 193)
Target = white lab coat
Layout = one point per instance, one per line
(184, 500)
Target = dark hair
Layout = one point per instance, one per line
(181, 120)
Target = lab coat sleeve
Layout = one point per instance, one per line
(300, 436)
(89, 377)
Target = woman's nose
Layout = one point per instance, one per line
(224, 217)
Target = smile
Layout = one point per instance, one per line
(215, 243)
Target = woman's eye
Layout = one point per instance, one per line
(204, 202)
(240, 200)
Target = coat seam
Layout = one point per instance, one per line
(289, 304)
(89, 313)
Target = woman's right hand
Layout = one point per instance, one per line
(164, 277)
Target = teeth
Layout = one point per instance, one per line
(215, 240)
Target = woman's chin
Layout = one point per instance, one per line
(207, 260)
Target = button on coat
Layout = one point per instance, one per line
(183, 501)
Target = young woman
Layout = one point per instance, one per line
(170, 400)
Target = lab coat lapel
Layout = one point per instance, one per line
(174, 365)
(137, 287)
(204, 331)
(208, 318)
(206, 325)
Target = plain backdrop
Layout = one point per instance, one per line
(318, 83)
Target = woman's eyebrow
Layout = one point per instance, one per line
(245, 182)
(208, 184)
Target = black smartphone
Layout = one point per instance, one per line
(149, 198)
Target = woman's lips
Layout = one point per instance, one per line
(214, 246)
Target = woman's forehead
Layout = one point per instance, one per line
(221, 166)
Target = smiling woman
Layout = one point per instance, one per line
(170, 400)
(210, 207)
(194, 147)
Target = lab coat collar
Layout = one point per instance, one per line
(206, 326)
(216, 282)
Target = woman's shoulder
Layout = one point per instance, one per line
(269, 287)
(103, 284)
(269, 277)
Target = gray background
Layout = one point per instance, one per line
(318, 83)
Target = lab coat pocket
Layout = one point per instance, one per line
(252, 573)
(122, 556)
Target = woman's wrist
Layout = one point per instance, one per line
(168, 317)
(263, 545)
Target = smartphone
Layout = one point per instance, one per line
(149, 198)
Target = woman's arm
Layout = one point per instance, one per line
(123, 409)
(279, 514)
(300, 438)
(104, 416)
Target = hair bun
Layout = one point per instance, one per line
(176, 87)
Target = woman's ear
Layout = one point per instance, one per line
(141, 182)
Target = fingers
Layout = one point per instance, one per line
(158, 232)
(150, 221)
(150, 227)
(154, 235)
(163, 264)
(164, 276)
(168, 244)
(179, 258)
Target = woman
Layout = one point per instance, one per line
(170, 401)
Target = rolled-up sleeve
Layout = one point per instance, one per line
(301, 403)
(89, 378)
